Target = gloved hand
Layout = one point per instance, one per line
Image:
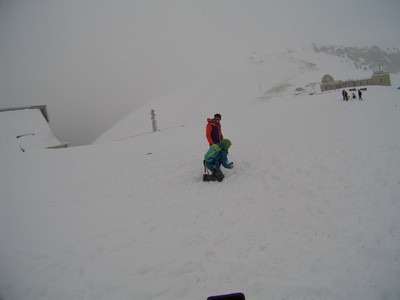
(231, 164)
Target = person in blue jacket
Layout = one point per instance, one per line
(220, 159)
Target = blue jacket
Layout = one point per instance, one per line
(220, 159)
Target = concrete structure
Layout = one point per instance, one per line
(378, 78)
(27, 128)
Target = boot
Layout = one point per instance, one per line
(218, 175)
(207, 177)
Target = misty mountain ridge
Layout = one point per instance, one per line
(258, 76)
(372, 58)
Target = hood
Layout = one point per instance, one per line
(225, 144)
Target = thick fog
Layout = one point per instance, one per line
(94, 61)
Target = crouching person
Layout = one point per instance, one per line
(216, 156)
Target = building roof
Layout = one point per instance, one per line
(327, 79)
(26, 129)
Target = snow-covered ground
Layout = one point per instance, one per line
(310, 211)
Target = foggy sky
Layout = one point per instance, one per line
(94, 61)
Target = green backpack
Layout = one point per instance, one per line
(212, 152)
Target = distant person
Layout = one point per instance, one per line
(354, 96)
(360, 95)
(213, 130)
(216, 156)
(153, 120)
(345, 95)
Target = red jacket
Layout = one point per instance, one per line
(213, 132)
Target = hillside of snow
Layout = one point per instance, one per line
(310, 211)
(239, 81)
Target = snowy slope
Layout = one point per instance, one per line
(239, 81)
(310, 211)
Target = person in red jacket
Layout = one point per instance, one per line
(213, 130)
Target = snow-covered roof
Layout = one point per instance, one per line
(26, 129)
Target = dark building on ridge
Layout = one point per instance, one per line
(378, 78)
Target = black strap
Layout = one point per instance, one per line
(205, 168)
